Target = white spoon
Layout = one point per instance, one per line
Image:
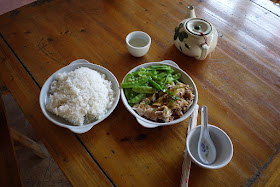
(206, 147)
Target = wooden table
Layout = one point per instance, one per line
(239, 82)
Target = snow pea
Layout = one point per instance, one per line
(129, 93)
(168, 79)
(176, 76)
(147, 73)
(128, 78)
(163, 68)
(154, 84)
(137, 99)
(171, 78)
(144, 89)
(135, 82)
(135, 73)
(160, 77)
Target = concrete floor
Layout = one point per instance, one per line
(9, 5)
(34, 170)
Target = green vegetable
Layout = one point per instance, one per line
(148, 81)
(128, 78)
(129, 93)
(162, 75)
(154, 84)
(176, 76)
(163, 68)
(137, 99)
(136, 82)
(168, 79)
(144, 89)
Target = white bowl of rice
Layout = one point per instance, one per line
(79, 96)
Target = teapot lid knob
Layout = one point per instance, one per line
(197, 26)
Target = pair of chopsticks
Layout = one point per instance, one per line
(186, 167)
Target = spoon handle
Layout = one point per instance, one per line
(204, 118)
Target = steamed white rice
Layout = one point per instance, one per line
(80, 96)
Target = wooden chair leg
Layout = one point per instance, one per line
(19, 137)
(28, 143)
(9, 170)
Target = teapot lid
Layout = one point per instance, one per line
(197, 26)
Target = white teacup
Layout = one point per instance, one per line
(138, 43)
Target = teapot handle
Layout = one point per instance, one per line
(204, 48)
(204, 51)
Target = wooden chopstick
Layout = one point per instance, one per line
(186, 167)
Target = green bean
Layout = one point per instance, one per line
(176, 76)
(142, 69)
(160, 77)
(154, 77)
(144, 89)
(159, 67)
(163, 68)
(135, 82)
(154, 71)
(132, 94)
(135, 73)
(162, 74)
(128, 77)
(147, 73)
(137, 99)
(169, 79)
(129, 93)
(155, 84)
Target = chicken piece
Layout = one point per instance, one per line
(170, 85)
(179, 107)
(162, 113)
(178, 90)
(177, 113)
(151, 99)
(188, 94)
(162, 100)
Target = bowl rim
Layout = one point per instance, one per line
(205, 165)
(141, 33)
(78, 63)
(148, 123)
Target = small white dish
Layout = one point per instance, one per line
(223, 144)
(185, 78)
(44, 95)
(138, 43)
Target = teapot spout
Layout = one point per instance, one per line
(190, 12)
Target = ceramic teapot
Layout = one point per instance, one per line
(194, 36)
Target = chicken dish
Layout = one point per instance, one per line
(166, 106)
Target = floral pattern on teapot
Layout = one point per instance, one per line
(181, 35)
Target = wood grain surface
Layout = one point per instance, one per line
(239, 82)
